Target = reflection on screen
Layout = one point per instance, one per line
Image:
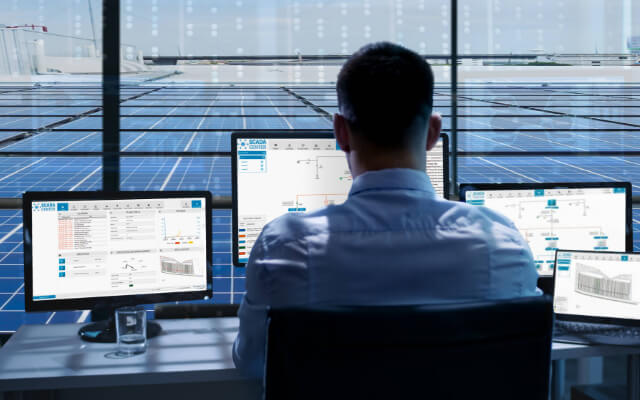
(598, 284)
(95, 248)
(549, 219)
(279, 176)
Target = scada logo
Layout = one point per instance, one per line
(43, 206)
(252, 144)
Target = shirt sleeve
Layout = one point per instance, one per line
(249, 346)
(276, 275)
(512, 269)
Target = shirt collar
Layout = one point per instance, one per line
(392, 179)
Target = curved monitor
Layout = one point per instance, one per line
(84, 250)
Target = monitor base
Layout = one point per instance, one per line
(105, 331)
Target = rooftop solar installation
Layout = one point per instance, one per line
(57, 142)
(575, 140)
(178, 138)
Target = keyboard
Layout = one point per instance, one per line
(588, 333)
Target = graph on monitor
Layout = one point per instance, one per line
(170, 265)
(181, 228)
(133, 271)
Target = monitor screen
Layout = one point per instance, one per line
(281, 174)
(101, 248)
(595, 284)
(580, 218)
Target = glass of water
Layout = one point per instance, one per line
(131, 330)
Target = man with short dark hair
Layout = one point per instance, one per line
(393, 241)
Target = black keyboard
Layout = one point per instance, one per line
(588, 333)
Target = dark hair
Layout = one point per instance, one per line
(382, 89)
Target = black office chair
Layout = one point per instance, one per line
(486, 350)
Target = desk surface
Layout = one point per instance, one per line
(195, 350)
(53, 357)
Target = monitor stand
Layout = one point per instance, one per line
(104, 331)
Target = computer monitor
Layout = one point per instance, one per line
(601, 287)
(582, 216)
(278, 173)
(99, 250)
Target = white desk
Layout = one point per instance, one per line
(191, 357)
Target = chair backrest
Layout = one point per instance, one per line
(493, 350)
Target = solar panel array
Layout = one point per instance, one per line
(177, 138)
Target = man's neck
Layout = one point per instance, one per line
(361, 163)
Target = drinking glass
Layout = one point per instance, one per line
(131, 330)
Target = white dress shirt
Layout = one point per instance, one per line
(392, 242)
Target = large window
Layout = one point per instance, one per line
(244, 66)
(559, 87)
(50, 81)
(530, 92)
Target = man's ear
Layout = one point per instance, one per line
(435, 126)
(341, 131)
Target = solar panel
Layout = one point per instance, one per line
(173, 119)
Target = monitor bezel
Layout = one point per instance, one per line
(328, 134)
(590, 318)
(108, 301)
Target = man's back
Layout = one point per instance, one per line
(392, 242)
